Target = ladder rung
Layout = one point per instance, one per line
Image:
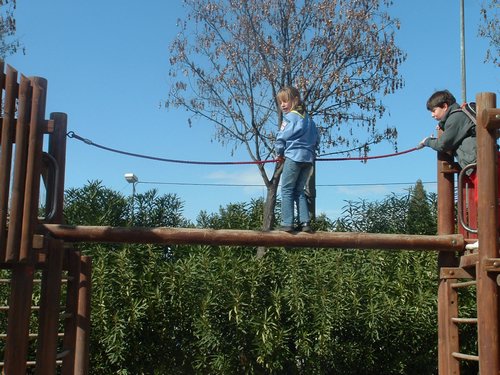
(464, 320)
(35, 308)
(63, 280)
(30, 335)
(33, 363)
(63, 354)
(466, 357)
(463, 284)
(67, 315)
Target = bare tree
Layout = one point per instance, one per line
(8, 44)
(490, 29)
(230, 58)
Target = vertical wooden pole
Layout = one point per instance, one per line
(19, 177)
(33, 169)
(71, 324)
(447, 331)
(7, 140)
(57, 149)
(83, 319)
(16, 347)
(50, 302)
(487, 288)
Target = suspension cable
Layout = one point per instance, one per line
(72, 134)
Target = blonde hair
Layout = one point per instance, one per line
(290, 94)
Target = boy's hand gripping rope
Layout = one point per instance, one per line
(72, 134)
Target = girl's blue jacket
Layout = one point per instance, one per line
(298, 137)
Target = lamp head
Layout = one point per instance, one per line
(131, 178)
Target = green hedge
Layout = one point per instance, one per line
(300, 311)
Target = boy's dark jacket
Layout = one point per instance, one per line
(457, 137)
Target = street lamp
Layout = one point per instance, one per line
(132, 179)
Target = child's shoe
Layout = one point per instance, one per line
(305, 227)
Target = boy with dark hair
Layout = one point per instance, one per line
(459, 136)
(458, 139)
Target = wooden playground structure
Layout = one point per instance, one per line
(51, 335)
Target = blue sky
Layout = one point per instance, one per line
(107, 65)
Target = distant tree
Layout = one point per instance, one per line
(386, 216)
(8, 44)
(240, 215)
(244, 215)
(153, 210)
(94, 204)
(230, 58)
(420, 219)
(411, 213)
(490, 29)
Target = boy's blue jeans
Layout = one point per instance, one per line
(293, 181)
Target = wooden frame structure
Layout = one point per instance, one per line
(34, 340)
(479, 268)
(37, 251)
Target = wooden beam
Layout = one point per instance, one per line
(177, 236)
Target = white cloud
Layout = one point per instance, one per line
(248, 177)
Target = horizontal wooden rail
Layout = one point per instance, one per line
(179, 236)
(490, 118)
(464, 284)
(464, 320)
(466, 357)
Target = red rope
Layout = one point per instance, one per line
(89, 142)
(369, 157)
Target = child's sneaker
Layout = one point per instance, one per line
(305, 227)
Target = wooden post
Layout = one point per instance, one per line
(83, 319)
(447, 296)
(19, 178)
(72, 297)
(487, 288)
(31, 200)
(50, 302)
(16, 347)
(7, 140)
(57, 149)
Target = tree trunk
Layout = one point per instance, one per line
(269, 206)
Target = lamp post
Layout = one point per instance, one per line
(462, 51)
(132, 179)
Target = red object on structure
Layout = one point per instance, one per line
(470, 198)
